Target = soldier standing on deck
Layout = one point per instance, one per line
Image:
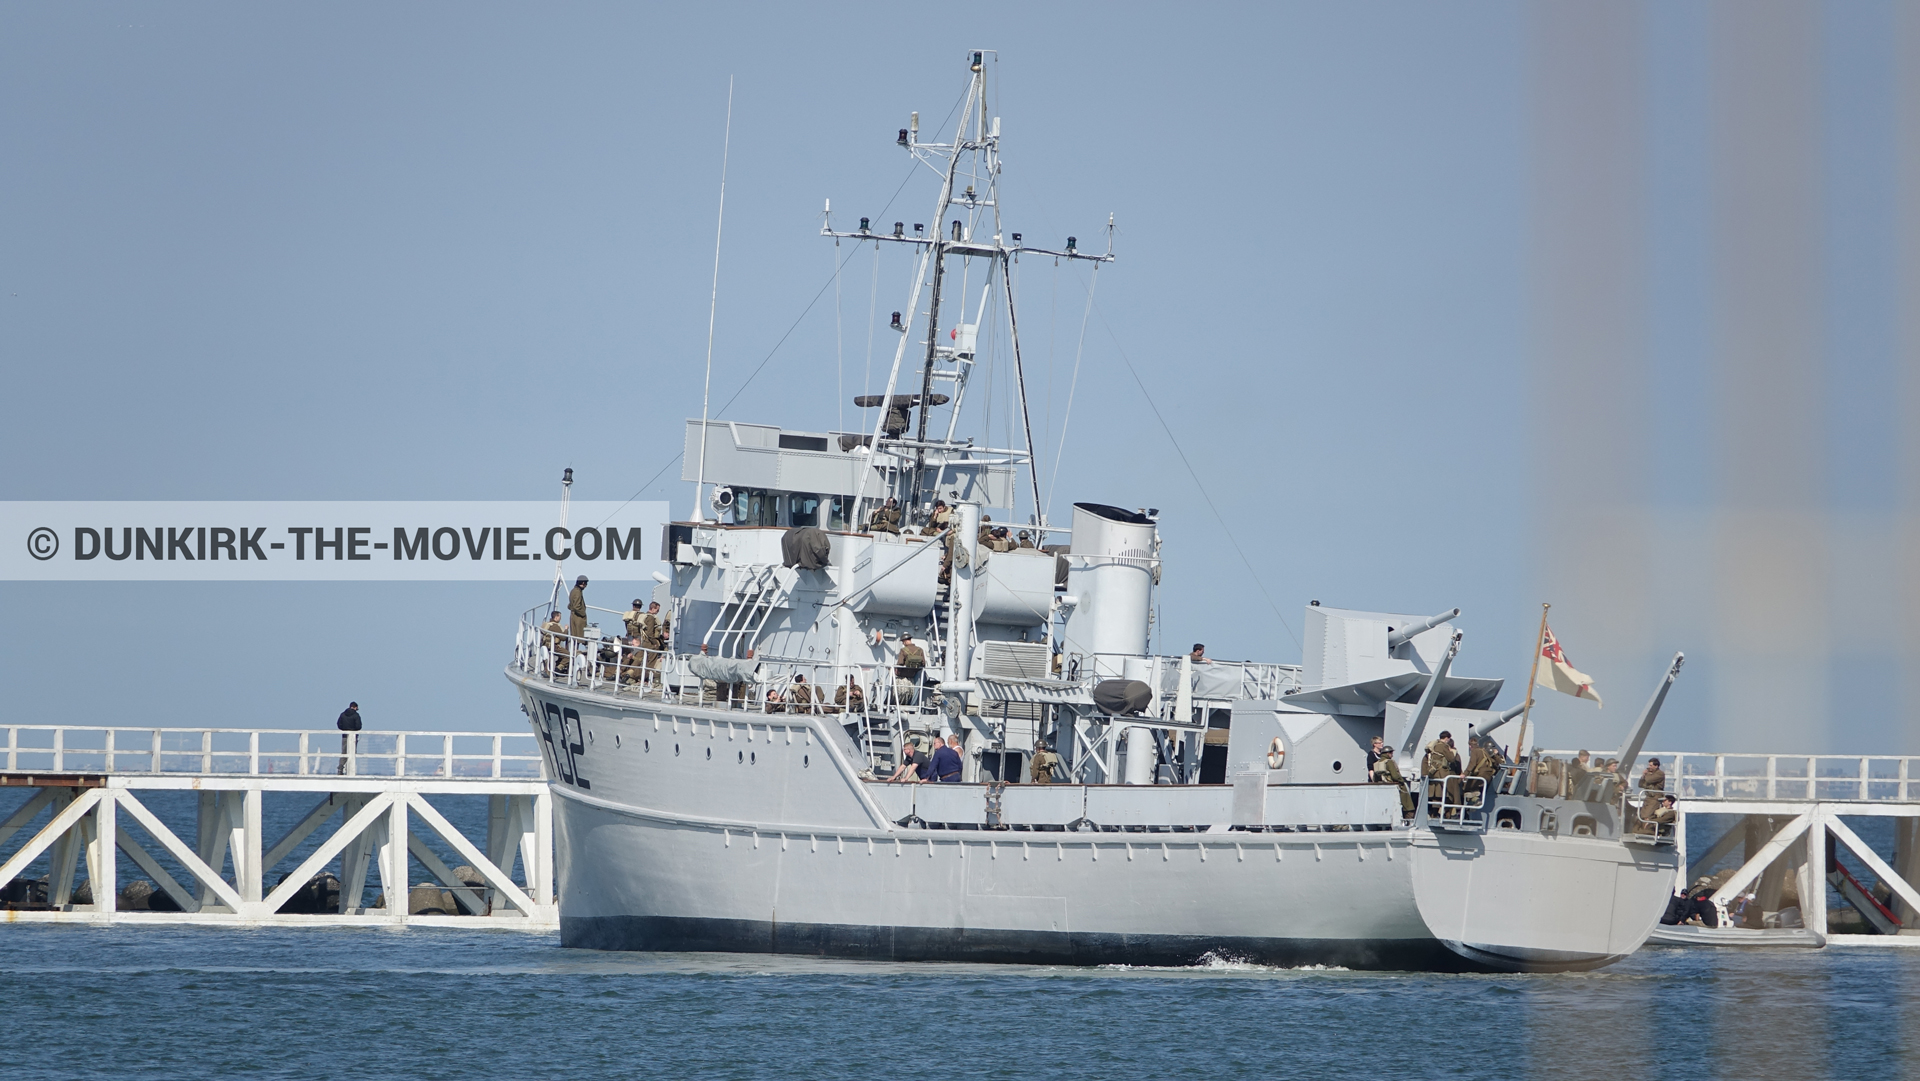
(654, 633)
(1385, 772)
(1441, 768)
(908, 665)
(577, 607)
(1653, 785)
(1043, 763)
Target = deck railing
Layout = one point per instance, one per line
(31, 749)
(610, 666)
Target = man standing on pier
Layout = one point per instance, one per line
(348, 723)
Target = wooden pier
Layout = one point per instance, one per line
(87, 787)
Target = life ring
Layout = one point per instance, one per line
(1276, 754)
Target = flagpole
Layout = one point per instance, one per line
(1533, 673)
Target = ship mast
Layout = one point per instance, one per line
(974, 232)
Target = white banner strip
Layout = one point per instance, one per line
(327, 541)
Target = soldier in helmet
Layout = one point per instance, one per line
(1025, 540)
(1386, 772)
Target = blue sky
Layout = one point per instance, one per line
(442, 251)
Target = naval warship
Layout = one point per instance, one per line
(726, 784)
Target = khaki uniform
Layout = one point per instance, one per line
(851, 699)
(907, 669)
(885, 520)
(577, 606)
(1653, 785)
(1442, 759)
(799, 698)
(941, 519)
(1481, 764)
(553, 636)
(634, 618)
(1026, 542)
(1441, 766)
(1043, 765)
(653, 638)
(1388, 773)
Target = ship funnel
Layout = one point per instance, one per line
(1111, 570)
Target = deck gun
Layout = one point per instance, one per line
(1396, 639)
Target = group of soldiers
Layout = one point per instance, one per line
(888, 518)
(800, 696)
(636, 657)
(1441, 766)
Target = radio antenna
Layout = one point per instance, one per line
(713, 308)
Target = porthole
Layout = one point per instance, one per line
(1336, 765)
(739, 756)
(753, 759)
(646, 746)
(803, 762)
(676, 750)
(709, 754)
(616, 739)
(589, 736)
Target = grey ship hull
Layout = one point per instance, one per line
(686, 829)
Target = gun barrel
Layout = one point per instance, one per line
(1405, 634)
(1499, 720)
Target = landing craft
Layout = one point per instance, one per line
(722, 779)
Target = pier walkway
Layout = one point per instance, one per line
(1792, 839)
(88, 790)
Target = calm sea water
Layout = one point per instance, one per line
(337, 1003)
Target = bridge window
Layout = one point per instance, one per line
(803, 508)
(803, 442)
(755, 506)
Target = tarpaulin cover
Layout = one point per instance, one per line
(1122, 696)
(806, 547)
(724, 669)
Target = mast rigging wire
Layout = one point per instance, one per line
(1224, 528)
(1053, 482)
(822, 291)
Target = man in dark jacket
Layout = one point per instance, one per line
(348, 723)
(946, 761)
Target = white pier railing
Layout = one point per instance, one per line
(1823, 777)
(266, 751)
(83, 787)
